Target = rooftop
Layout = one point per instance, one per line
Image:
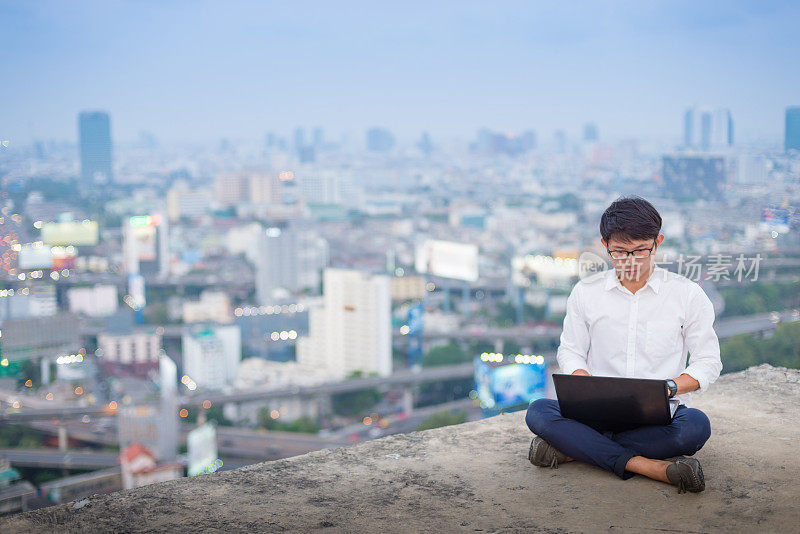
(475, 477)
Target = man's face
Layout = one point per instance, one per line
(630, 267)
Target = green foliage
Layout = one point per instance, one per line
(355, 402)
(212, 414)
(440, 419)
(506, 314)
(759, 297)
(782, 349)
(19, 436)
(303, 425)
(449, 354)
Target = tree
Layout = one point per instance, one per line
(303, 424)
(440, 419)
(449, 354)
(355, 402)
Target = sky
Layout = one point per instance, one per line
(195, 70)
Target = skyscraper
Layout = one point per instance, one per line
(351, 331)
(688, 128)
(94, 133)
(211, 354)
(590, 132)
(792, 135)
(290, 258)
(707, 129)
(379, 140)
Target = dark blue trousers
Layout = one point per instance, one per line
(685, 435)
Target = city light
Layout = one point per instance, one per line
(184, 412)
(71, 358)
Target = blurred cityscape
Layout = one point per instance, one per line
(171, 309)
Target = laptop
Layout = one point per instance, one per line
(615, 404)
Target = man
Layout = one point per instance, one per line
(636, 320)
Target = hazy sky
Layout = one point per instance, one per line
(200, 70)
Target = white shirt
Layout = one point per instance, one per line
(646, 334)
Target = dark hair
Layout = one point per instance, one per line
(629, 219)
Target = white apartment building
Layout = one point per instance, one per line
(211, 354)
(351, 331)
(97, 301)
(129, 349)
(213, 306)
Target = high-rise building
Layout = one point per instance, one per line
(351, 331)
(135, 352)
(265, 188)
(792, 134)
(707, 129)
(425, 145)
(379, 140)
(512, 144)
(318, 139)
(211, 354)
(299, 138)
(693, 177)
(95, 301)
(290, 259)
(185, 202)
(232, 187)
(330, 187)
(688, 128)
(146, 245)
(94, 133)
(590, 134)
(36, 301)
(751, 169)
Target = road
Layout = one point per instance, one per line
(64, 459)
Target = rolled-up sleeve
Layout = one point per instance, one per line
(705, 364)
(574, 344)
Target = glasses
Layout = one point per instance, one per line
(639, 253)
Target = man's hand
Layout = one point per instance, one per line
(581, 372)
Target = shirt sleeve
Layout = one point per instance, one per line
(705, 364)
(574, 345)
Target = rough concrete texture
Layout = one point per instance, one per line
(475, 477)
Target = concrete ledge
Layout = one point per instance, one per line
(476, 477)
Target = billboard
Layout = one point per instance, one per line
(145, 241)
(499, 385)
(71, 233)
(201, 444)
(447, 259)
(34, 256)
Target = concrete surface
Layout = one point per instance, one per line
(475, 477)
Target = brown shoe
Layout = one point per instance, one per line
(687, 474)
(543, 454)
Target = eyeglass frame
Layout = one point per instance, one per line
(631, 252)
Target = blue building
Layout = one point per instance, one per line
(792, 136)
(94, 133)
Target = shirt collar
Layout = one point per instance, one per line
(654, 281)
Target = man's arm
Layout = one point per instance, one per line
(705, 364)
(574, 345)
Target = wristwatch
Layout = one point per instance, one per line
(673, 388)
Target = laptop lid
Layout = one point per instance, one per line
(613, 403)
